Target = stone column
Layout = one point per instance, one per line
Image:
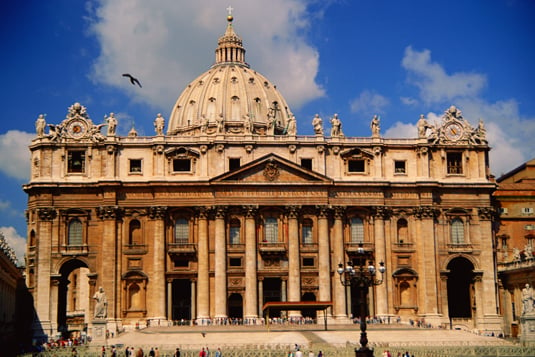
(251, 297)
(108, 274)
(324, 262)
(220, 264)
(55, 281)
(170, 299)
(489, 278)
(42, 283)
(380, 255)
(428, 303)
(203, 274)
(157, 291)
(294, 273)
(339, 290)
(193, 298)
(260, 294)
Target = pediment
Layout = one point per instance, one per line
(271, 169)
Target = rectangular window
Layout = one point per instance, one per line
(356, 166)
(455, 163)
(233, 164)
(307, 234)
(135, 166)
(306, 164)
(76, 162)
(234, 234)
(271, 230)
(357, 230)
(181, 263)
(181, 231)
(234, 262)
(527, 210)
(399, 167)
(181, 165)
(308, 262)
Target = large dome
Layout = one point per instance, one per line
(229, 98)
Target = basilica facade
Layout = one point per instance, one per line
(226, 208)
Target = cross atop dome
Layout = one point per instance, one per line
(230, 48)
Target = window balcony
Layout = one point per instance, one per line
(272, 248)
(352, 248)
(309, 247)
(182, 249)
(74, 250)
(135, 249)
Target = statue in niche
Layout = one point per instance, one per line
(40, 125)
(220, 123)
(159, 124)
(375, 126)
(317, 124)
(101, 304)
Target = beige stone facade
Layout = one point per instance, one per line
(230, 209)
(515, 198)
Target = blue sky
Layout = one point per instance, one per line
(357, 58)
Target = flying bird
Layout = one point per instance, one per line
(133, 80)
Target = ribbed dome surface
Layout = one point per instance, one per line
(229, 98)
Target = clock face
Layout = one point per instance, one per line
(454, 131)
(76, 128)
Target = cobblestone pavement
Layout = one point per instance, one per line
(338, 335)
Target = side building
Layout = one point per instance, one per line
(515, 198)
(230, 208)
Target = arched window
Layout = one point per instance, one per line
(234, 231)
(306, 231)
(271, 230)
(457, 231)
(75, 233)
(181, 231)
(357, 230)
(134, 233)
(403, 231)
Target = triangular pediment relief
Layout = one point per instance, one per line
(357, 153)
(271, 169)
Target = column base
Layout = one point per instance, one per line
(366, 352)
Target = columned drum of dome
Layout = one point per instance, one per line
(230, 98)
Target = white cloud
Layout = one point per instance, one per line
(401, 130)
(437, 86)
(408, 101)
(168, 45)
(14, 154)
(15, 241)
(369, 103)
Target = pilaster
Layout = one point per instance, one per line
(220, 264)
(203, 277)
(339, 290)
(294, 273)
(251, 296)
(324, 262)
(157, 291)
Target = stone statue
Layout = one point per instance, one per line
(336, 126)
(159, 124)
(220, 123)
(112, 124)
(516, 254)
(375, 126)
(528, 252)
(101, 304)
(291, 128)
(527, 300)
(40, 125)
(317, 123)
(423, 125)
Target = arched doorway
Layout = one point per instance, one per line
(235, 306)
(73, 298)
(460, 288)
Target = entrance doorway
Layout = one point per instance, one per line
(73, 298)
(235, 306)
(181, 300)
(308, 312)
(460, 288)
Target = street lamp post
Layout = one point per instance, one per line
(362, 275)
